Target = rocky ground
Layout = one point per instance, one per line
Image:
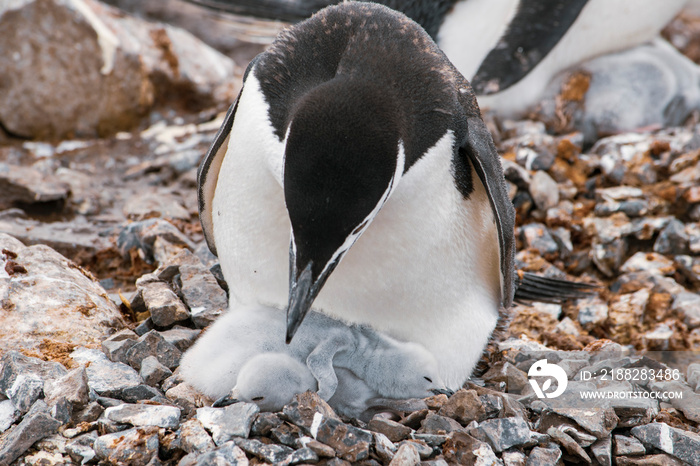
(105, 280)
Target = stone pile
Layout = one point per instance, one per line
(89, 366)
(109, 411)
(625, 213)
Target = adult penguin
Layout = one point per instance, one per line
(354, 175)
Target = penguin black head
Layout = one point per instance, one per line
(342, 158)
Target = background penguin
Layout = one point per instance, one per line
(511, 49)
(648, 86)
(390, 368)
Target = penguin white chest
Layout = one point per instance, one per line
(251, 225)
(426, 269)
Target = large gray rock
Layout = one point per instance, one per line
(81, 67)
(27, 185)
(49, 297)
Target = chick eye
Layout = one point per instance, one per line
(258, 398)
(428, 379)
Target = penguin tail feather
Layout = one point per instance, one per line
(531, 287)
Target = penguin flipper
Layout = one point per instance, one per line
(208, 173)
(281, 10)
(531, 287)
(536, 28)
(320, 363)
(481, 151)
(208, 176)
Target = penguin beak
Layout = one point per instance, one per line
(301, 295)
(442, 391)
(303, 289)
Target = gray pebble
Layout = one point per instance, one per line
(140, 392)
(36, 425)
(105, 377)
(544, 190)
(228, 454)
(144, 327)
(688, 305)
(153, 344)
(673, 239)
(116, 346)
(193, 437)
(81, 448)
(436, 424)
(235, 420)
(25, 390)
(592, 311)
(537, 236)
(406, 455)
(269, 453)
(351, 444)
(164, 305)
(8, 415)
(602, 451)
(689, 267)
(153, 372)
(681, 444)
(503, 433)
(513, 458)
(132, 446)
(72, 386)
(181, 337)
(145, 415)
(625, 445)
(544, 456)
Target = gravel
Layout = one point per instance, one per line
(100, 382)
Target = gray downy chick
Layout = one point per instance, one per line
(271, 380)
(392, 368)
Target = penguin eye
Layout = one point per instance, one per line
(258, 398)
(428, 379)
